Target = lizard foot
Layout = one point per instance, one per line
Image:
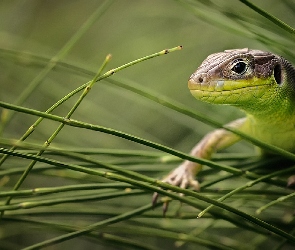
(183, 177)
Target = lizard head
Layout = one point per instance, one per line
(243, 77)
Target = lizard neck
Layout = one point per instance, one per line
(276, 127)
(277, 105)
(278, 110)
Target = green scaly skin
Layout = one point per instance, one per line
(261, 84)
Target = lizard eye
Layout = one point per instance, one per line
(240, 67)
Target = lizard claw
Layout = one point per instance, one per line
(165, 205)
(155, 198)
(182, 177)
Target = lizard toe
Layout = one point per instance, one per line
(181, 177)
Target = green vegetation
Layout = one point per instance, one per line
(85, 137)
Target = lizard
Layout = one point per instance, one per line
(261, 84)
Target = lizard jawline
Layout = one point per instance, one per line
(231, 96)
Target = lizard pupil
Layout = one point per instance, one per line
(239, 67)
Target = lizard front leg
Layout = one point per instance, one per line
(184, 175)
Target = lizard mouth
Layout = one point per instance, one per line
(228, 91)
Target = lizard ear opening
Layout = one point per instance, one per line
(277, 73)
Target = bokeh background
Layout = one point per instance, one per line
(127, 30)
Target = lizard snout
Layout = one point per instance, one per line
(196, 80)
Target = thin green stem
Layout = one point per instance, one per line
(60, 127)
(52, 63)
(91, 227)
(135, 139)
(65, 98)
(126, 172)
(39, 120)
(247, 185)
(270, 17)
(156, 186)
(76, 198)
(137, 230)
(69, 188)
(278, 200)
(284, 241)
(79, 124)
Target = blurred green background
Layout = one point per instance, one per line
(127, 30)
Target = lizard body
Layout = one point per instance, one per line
(261, 84)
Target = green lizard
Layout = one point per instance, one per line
(259, 83)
